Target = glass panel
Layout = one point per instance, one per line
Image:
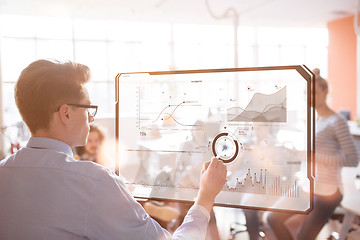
(125, 31)
(246, 56)
(13, 64)
(182, 51)
(94, 55)
(54, 28)
(192, 33)
(41, 27)
(102, 94)
(246, 36)
(19, 26)
(9, 107)
(317, 37)
(316, 57)
(124, 57)
(292, 55)
(268, 36)
(61, 50)
(14, 129)
(155, 32)
(269, 55)
(90, 29)
(293, 36)
(216, 56)
(256, 121)
(155, 56)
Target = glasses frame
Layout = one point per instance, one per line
(83, 106)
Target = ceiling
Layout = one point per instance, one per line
(284, 13)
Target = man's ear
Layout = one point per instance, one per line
(64, 113)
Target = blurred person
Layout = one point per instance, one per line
(150, 172)
(46, 194)
(188, 170)
(93, 149)
(265, 151)
(334, 149)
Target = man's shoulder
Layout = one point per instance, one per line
(45, 160)
(87, 169)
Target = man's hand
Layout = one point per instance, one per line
(213, 177)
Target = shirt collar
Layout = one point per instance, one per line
(49, 143)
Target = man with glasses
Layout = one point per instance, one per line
(46, 194)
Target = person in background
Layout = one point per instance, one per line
(92, 151)
(188, 170)
(46, 194)
(334, 149)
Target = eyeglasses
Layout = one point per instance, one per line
(91, 109)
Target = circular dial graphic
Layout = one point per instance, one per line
(225, 147)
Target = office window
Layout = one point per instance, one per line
(268, 55)
(124, 57)
(90, 29)
(247, 47)
(203, 46)
(94, 54)
(292, 55)
(61, 50)
(187, 55)
(316, 57)
(103, 95)
(289, 46)
(154, 56)
(16, 54)
(111, 47)
(247, 56)
(10, 112)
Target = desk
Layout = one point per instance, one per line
(354, 129)
(351, 200)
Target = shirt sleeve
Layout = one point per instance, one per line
(348, 155)
(115, 214)
(194, 225)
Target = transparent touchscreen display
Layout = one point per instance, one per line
(257, 120)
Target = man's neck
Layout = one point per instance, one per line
(49, 134)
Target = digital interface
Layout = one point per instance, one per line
(258, 121)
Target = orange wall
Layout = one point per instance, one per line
(342, 65)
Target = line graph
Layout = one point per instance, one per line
(261, 108)
(162, 107)
(163, 151)
(260, 184)
(249, 184)
(167, 115)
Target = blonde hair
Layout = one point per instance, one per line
(45, 85)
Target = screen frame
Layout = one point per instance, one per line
(304, 71)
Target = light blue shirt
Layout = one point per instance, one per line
(46, 194)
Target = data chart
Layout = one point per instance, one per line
(258, 121)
